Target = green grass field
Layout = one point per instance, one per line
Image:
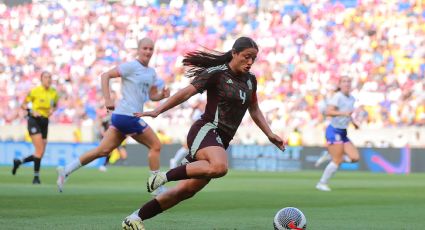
(241, 200)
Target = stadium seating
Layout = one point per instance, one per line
(304, 48)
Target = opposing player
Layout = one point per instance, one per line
(231, 90)
(43, 100)
(340, 108)
(138, 85)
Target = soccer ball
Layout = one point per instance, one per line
(289, 218)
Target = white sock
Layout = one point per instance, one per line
(178, 157)
(180, 154)
(71, 167)
(329, 172)
(347, 159)
(153, 172)
(172, 163)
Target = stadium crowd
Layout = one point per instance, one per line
(304, 47)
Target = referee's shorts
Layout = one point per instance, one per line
(38, 125)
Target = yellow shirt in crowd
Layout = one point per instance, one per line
(295, 139)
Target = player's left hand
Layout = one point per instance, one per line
(276, 140)
(165, 92)
(51, 111)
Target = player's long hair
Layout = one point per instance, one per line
(198, 61)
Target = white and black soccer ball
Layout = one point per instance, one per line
(289, 218)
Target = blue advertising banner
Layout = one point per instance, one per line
(243, 157)
(380, 160)
(57, 154)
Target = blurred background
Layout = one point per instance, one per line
(304, 47)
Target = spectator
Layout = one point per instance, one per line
(307, 45)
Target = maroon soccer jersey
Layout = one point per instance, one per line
(228, 97)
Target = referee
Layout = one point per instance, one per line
(43, 99)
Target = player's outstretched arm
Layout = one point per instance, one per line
(178, 98)
(258, 117)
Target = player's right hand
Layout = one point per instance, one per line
(276, 140)
(35, 113)
(110, 106)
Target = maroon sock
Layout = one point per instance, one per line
(150, 209)
(178, 173)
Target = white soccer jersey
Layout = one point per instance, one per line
(136, 83)
(343, 104)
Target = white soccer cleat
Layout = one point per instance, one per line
(61, 178)
(322, 159)
(155, 181)
(133, 222)
(323, 187)
(159, 190)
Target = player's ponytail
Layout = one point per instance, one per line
(198, 61)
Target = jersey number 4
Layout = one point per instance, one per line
(242, 95)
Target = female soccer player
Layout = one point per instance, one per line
(43, 99)
(138, 85)
(340, 108)
(231, 90)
